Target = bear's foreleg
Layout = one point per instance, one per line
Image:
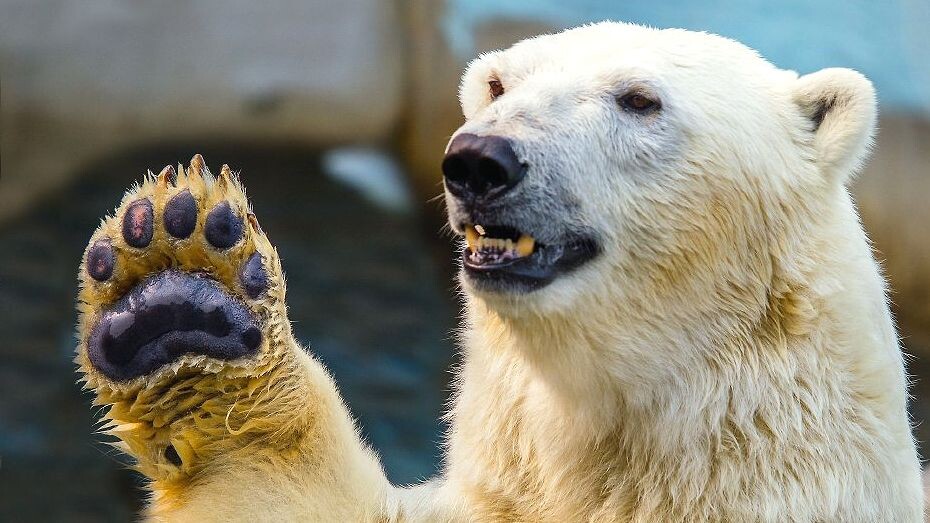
(184, 338)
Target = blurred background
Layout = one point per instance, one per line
(337, 114)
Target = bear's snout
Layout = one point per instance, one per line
(481, 166)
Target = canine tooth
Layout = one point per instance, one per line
(525, 245)
(472, 239)
(480, 229)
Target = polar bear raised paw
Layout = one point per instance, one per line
(183, 333)
(181, 298)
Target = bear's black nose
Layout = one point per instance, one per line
(483, 166)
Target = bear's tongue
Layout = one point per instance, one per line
(495, 245)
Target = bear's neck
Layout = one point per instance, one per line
(548, 407)
(599, 371)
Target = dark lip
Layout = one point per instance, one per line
(532, 272)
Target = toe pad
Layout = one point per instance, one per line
(253, 277)
(223, 228)
(137, 223)
(100, 260)
(181, 215)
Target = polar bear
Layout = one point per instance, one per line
(672, 312)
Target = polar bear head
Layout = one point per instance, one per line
(619, 164)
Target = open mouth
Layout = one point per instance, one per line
(496, 246)
(503, 256)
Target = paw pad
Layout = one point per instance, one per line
(223, 228)
(100, 260)
(138, 223)
(165, 316)
(253, 277)
(181, 215)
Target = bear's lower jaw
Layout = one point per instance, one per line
(523, 274)
(166, 316)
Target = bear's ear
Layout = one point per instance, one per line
(841, 106)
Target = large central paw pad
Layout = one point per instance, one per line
(168, 315)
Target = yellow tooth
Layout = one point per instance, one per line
(471, 238)
(508, 245)
(525, 245)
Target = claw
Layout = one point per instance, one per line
(253, 221)
(167, 176)
(195, 174)
(196, 167)
(223, 179)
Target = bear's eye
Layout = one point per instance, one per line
(638, 103)
(496, 88)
